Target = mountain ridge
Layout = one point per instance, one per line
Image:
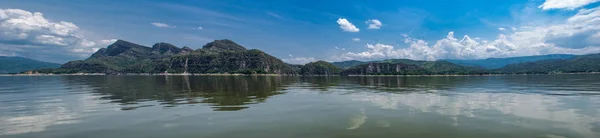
(494, 63)
(19, 64)
(219, 56)
(227, 57)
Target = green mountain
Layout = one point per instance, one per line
(320, 68)
(348, 64)
(411, 67)
(220, 56)
(577, 64)
(226, 56)
(494, 63)
(20, 64)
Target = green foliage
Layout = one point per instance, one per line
(445, 67)
(320, 68)
(385, 68)
(411, 67)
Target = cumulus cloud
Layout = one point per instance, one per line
(199, 28)
(162, 25)
(347, 26)
(21, 30)
(24, 27)
(576, 35)
(374, 24)
(356, 39)
(465, 48)
(299, 60)
(565, 4)
(502, 29)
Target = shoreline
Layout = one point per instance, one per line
(224, 74)
(142, 74)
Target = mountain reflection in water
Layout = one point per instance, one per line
(545, 106)
(223, 93)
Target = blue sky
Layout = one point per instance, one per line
(307, 30)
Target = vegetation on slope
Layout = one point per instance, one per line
(320, 68)
(348, 64)
(220, 56)
(412, 67)
(495, 63)
(577, 64)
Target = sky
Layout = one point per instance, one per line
(303, 31)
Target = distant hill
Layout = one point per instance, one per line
(320, 68)
(411, 67)
(576, 64)
(494, 63)
(20, 64)
(219, 56)
(347, 64)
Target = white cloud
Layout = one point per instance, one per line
(374, 24)
(577, 35)
(347, 26)
(356, 39)
(27, 30)
(565, 4)
(20, 26)
(502, 29)
(513, 28)
(162, 25)
(299, 60)
(275, 15)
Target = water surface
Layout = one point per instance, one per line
(539, 106)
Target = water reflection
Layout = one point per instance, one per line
(515, 99)
(33, 104)
(223, 93)
(355, 121)
(189, 106)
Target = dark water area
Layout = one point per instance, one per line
(536, 106)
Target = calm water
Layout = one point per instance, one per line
(560, 106)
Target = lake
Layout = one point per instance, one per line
(535, 106)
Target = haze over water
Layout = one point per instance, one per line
(539, 106)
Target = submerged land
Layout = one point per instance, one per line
(225, 57)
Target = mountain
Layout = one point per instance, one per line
(383, 68)
(219, 56)
(576, 64)
(348, 64)
(20, 64)
(411, 67)
(320, 68)
(494, 63)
